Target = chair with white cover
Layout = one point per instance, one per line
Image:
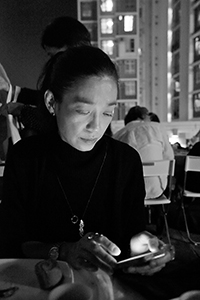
(192, 164)
(159, 168)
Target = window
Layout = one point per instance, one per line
(130, 67)
(175, 63)
(108, 46)
(176, 39)
(130, 88)
(197, 48)
(88, 10)
(106, 5)
(130, 45)
(128, 23)
(197, 77)
(197, 18)
(107, 26)
(196, 105)
(176, 87)
(92, 28)
(126, 5)
(176, 15)
(175, 109)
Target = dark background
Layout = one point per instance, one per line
(21, 26)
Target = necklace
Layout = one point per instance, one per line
(75, 219)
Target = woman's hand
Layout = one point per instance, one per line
(91, 252)
(143, 242)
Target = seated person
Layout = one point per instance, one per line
(154, 117)
(150, 140)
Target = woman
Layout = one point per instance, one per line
(62, 188)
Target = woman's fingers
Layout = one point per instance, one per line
(90, 261)
(97, 250)
(143, 242)
(109, 246)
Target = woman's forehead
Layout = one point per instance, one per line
(88, 89)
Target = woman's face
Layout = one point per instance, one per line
(86, 111)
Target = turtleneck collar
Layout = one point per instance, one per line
(76, 157)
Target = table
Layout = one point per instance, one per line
(20, 273)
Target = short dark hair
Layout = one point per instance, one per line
(154, 117)
(65, 31)
(136, 112)
(66, 68)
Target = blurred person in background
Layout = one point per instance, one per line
(154, 117)
(150, 140)
(62, 33)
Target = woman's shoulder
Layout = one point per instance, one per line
(122, 149)
(124, 157)
(31, 145)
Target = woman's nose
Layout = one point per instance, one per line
(94, 123)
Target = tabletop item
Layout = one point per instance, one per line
(18, 280)
(49, 273)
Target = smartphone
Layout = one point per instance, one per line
(141, 259)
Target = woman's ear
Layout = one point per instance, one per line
(49, 101)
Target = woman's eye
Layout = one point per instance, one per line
(82, 112)
(108, 114)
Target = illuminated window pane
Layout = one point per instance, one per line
(197, 48)
(107, 26)
(128, 23)
(196, 105)
(175, 87)
(107, 47)
(106, 5)
(130, 88)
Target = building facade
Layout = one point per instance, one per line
(114, 27)
(156, 47)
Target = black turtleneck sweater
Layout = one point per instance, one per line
(34, 206)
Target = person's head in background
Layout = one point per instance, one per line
(137, 113)
(80, 88)
(62, 33)
(154, 117)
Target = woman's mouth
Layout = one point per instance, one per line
(89, 140)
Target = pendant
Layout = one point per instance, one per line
(74, 219)
(81, 228)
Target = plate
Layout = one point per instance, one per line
(20, 273)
